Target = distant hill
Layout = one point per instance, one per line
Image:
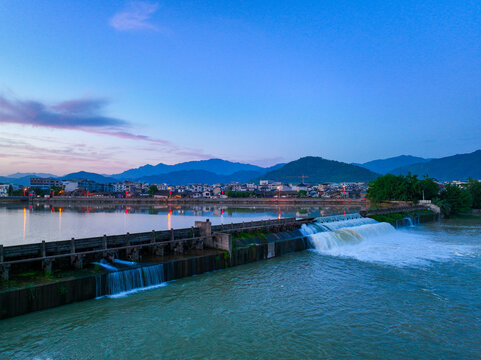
(456, 167)
(90, 176)
(24, 181)
(383, 166)
(319, 170)
(29, 175)
(222, 172)
(185, 177)
(216, 166)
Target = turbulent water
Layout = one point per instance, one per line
(365, 291)
(371, 241)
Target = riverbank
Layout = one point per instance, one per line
(188, 201)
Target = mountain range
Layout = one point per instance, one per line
(216, 166)
(383, 166)
(456, 167)
(316, 170)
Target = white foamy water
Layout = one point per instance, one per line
(380, 243)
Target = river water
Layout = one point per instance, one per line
(366, 291)
(21, 224)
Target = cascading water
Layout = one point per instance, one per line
(348, 223)
(343, 233)
(409, 221)
(370, 241)
(122, 283)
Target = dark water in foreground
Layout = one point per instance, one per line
(413, 293)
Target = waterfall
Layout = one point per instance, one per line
(348, 223)
(122, 283)
(153, 275)
(370, 241)
(98, 286)
(409, 221)
(347, 233)
(336, 231)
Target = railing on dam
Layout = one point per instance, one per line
(78, 248)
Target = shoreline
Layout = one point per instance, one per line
(189, 201)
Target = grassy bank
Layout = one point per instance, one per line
(392, 218)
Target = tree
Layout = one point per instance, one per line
(238, 194)
(153, 189)
(10, 190)
(402, 188)
(454, 200)
(302, 193)
(474, 188)
(430, 188)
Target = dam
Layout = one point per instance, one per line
(116, 266)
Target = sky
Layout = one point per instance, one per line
(105, 86)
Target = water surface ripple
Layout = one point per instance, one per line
(308, 305)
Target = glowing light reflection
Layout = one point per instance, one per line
(24, 222)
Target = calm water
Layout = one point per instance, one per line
(413, 293)
(30, 224)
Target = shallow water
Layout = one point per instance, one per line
(412, 293)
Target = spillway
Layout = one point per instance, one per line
(125, 282)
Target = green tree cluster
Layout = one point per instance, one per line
(153, 189)
(402, 188)
(474, 188)
(302, 193)
(454, 200)
(238, 194)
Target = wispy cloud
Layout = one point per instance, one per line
(135, 16)
(83, 115)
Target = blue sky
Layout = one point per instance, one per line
(105, 86)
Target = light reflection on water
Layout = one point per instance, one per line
(22, 225)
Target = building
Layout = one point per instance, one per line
(4, 190)
(45, 183)
(70, 185)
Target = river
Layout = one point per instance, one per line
(368, 292)
(23, 224)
